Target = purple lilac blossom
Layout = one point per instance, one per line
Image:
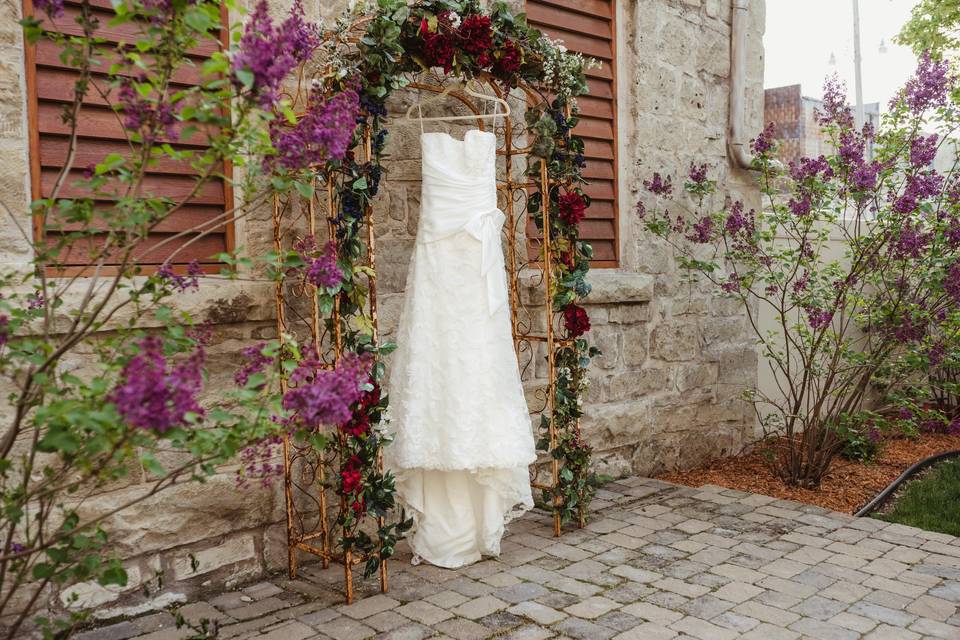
(658, 185)
(323, 396)
(267, 53)
(735, 221)
(764, 142)
(818, 318)
(835, 110)
(936, 354)
(928, 87)
(641, 210)
(801, 207)
(919, 187)
(323, 133)
(863, 178)
(923, 151)
(53, 8)
(4, 329)
(144, 116)
(698, 173)
(731, 285)
(951, 284)
(178, 282)
(911, 242)
(809, 168)
(256, 362)
(153, 394)
(701, 231)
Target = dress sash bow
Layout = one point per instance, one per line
(451, 204)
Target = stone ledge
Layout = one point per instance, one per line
(612, 287)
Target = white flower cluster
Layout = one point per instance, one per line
(563, 70)
(454, 20)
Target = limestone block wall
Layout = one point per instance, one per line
(664, 394)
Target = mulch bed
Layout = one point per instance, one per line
(846, 488)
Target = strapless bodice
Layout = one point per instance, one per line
(459, 194)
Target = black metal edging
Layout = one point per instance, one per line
(881, 497)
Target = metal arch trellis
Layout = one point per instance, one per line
(307, 470)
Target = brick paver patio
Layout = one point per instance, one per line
(657, 561)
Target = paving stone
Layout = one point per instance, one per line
(653, 613)
(852, 621)
(462, 629)
(823, 630)
(845, 592)
(887, 632)
(369, 606)
(479, 607)
(702, 629)
(936, 629)
(737, 591)
(766, 631)
(647, 631)
(344, 628)
(819, 608)
(932, 607)
(119, 631)
(592, 608)
(500, 621)
(256, 609)
(410, 631)
(422, 611)
(537, 612)
(386, 621)
(529, 632)
(683, 588)
(447, 599)
(706, 607)
(766, 613)
(262, 590)
(636, 575)
(288, 630)
(882, 614)
(583, 629)
(735, 621)
(574, 587)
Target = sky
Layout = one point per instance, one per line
(801, 36)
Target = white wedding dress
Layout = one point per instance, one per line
(461, 428)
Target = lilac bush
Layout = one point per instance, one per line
(854, 338)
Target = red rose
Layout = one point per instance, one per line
(358, 426)
(438, 50)
(350, 480)
(476, 35)
(508, 63)
(576, 320)
(572, 208)
(359, 507)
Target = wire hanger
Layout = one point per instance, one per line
(499, 102)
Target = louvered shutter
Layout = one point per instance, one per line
(50, 86)
(588, 26)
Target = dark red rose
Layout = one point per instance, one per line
(576, 320)
(358, 426)
(572, 208)
(351, 479)
(476, 35)
(438, 50)
(508, 62)
(359, 507)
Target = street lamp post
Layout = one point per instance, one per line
(857, 63)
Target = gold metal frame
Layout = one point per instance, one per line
(305, 469)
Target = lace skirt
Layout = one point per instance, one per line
(460, 424)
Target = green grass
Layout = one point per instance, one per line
(931, 502)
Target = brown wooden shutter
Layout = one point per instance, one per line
(589, 27)
(50, 85)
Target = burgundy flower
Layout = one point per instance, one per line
(439, 50)
(155, 395)
(951, 283)
(508, 62)
(571, 208)
(351, 480)
(575, 320)
(731, 285)
(4, 329)
(179, 282)
(476, 34)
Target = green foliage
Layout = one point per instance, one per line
(934, 26)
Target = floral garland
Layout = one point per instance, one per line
(457, 37)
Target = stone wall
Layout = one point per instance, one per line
(665, 393)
